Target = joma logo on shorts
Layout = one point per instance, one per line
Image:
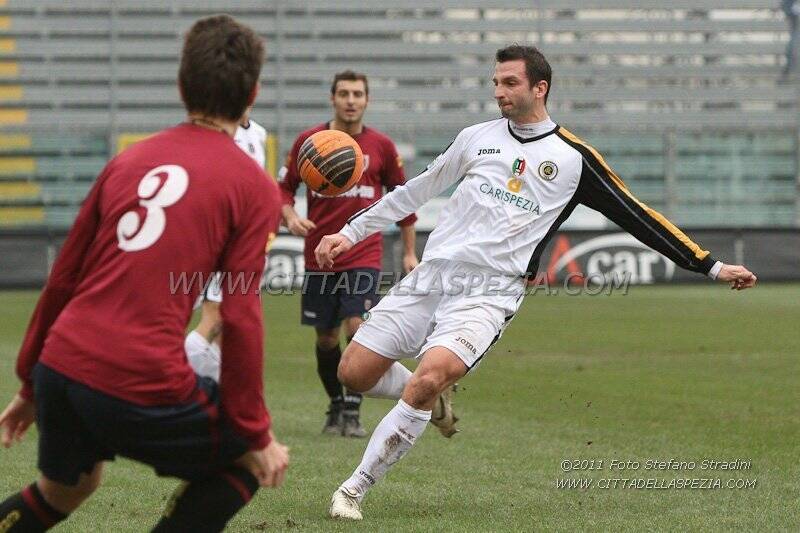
(467, 344)
(488, 151)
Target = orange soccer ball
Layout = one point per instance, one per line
(330, 162)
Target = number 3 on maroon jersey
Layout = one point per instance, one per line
(134, 235)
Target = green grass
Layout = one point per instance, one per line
(683, 373)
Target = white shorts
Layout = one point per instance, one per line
(460, 306)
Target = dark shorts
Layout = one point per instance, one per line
(330, 297)
(79, 426)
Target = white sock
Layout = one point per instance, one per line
(394, 436)
(203, 356)
(391, 384)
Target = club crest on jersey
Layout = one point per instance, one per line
(518, 167)
(514, 183)
(548, 171)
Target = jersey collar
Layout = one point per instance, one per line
(536, 137)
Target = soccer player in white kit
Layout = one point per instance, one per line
(203, 343)
(520, 177)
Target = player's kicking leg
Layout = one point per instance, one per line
(398, 431)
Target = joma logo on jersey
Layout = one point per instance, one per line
(488, 151)
(510, 198)
(468, 345)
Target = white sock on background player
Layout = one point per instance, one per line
(390, 441)
(203, 356)
(391, 384)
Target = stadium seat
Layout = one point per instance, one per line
(664, 100)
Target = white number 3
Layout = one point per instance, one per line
(133, 234)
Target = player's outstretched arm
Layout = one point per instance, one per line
(601, 189)
(406, 199)
(330, 247)
(738, 276)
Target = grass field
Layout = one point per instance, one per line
(683, 373)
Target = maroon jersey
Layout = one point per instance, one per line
(382, 167)
(177, 206)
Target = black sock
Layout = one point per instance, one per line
(206, 505)
(327, 366)
(352, 400)
(28, 512)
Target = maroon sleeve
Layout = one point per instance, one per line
(393, 176)
(64, 278)
(288, 177)
(241, 375)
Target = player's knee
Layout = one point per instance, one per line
(352, 375)
(424, 388)
(89, 483)
(67, 498)
(327, 339)
(349, 377)
(86, 488)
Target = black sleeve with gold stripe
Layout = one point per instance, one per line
(601, 189)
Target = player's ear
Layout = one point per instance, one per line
(540, 88)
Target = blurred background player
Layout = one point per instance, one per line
(350, 290)
(203, 343)
(515, 196)
(102, 364)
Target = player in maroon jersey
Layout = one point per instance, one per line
(345, 295)
(103, 367)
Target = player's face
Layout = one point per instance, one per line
(349, 101)
(514, 94)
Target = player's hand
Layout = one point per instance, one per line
(300, 226)
(738, 276)
(410, 262)
(15, 420)
(330, 247)
(268, 464)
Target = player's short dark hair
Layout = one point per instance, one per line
(220, 65)
(349, 75)
(536, 66)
